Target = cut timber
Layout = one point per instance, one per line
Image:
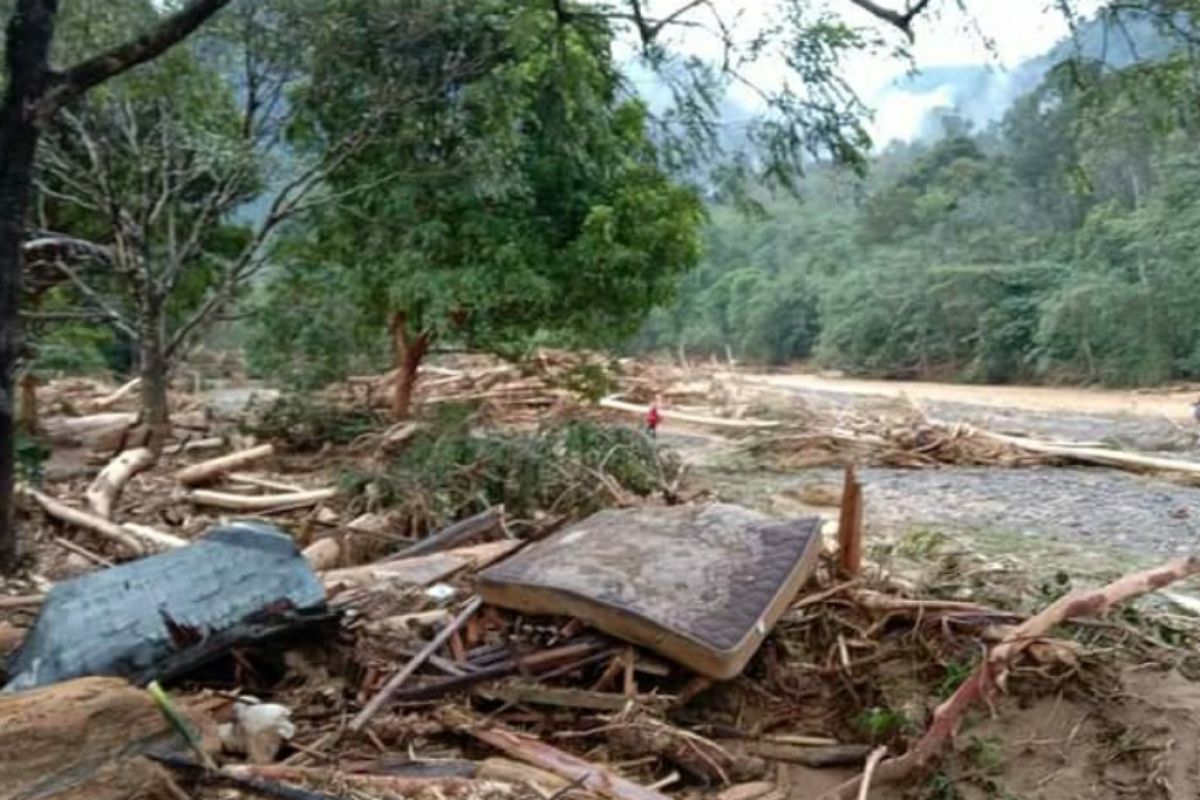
(419, 571)
(618, 404)
(456, 534)
(587, 775)
(989, 676)
(208, 471)
(106, 488)
(83, 740)
(260, 502)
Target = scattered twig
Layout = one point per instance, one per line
(384, 695)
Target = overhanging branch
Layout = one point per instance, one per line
(170, 30)
(900, 19)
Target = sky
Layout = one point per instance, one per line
(1018, 30)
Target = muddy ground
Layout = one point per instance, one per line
(1056, 511)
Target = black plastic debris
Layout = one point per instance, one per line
(166, 614)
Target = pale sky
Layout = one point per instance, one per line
(1019, 30)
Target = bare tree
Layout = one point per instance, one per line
(34, 93)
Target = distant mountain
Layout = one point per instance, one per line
(982, 93)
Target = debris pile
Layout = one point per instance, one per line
(475, 665)
(470, 637)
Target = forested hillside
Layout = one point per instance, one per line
(1058, 244)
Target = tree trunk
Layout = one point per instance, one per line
(156, 411)
(27, 423)
(407, 352)
(30, 31)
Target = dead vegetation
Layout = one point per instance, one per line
(957, 667)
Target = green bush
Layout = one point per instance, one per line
(449, 471)
(305, 424)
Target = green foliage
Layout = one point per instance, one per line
(304, 424)
(31, 454)
(880, 723)
(450, 471)
(1059, 245)
(956, 673)
(528, 202)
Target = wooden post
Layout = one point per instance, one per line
(850, 526)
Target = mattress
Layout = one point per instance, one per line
(700, 585)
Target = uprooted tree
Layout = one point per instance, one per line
(34, 93)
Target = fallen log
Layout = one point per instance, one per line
(82, 519)
(210, 470)
(587, 775)
(106, 488)
(109, 400)
(137, 539)
(96, 431)
(1099, 456)
(989, 677)
(616, 404)
(259, 502)
(455, 535)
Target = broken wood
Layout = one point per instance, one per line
(22, 601)
(79, 550)
(535, 663)
(989, 676)
(106, 488)
(154, 537)
(1100, 456)
(836, 755)
(263, 483)
(568, 698)
(869, 770)
(261, 502)
(192, 445)
(456, 534)
(384, 695)
(324, 554)
(502, 769)
(402, 785)
(419, 571)
(616, 404)
(592, 777)
(90, 522)
(850, 532)
(109, 400)
(214, 468)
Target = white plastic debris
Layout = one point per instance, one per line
(441, 592)
(258, 729)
